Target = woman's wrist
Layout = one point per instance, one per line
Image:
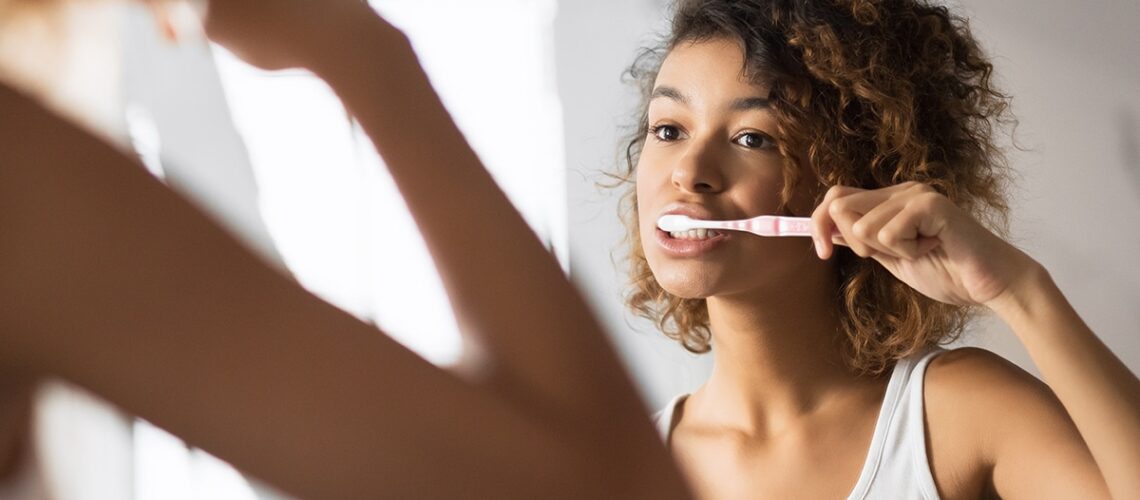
(364, 39)
(1032, 290)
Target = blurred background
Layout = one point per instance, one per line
(536, 86)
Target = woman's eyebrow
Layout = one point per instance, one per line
(739, 104)
(747, 103)
(670, 93)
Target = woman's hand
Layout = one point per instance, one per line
(283, 34)
(923, 239)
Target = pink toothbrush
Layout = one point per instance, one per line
(764, 225)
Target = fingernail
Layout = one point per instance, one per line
(818, 247)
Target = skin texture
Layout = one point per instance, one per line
(780, 417)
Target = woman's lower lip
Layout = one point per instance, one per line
(676, 247)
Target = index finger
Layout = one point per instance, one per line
(823, 226)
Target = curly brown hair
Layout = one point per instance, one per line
(866, 93)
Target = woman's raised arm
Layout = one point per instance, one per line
(546, 350)
(112, 281)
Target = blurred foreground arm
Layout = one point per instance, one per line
(546, 352)
(113, 282)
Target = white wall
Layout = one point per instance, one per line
(1075, 74)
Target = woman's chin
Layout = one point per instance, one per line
(689, 295)
(686, 287)
(690, 279)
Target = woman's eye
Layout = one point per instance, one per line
(754, 140)
(665, 133)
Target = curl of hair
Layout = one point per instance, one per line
(866, 93)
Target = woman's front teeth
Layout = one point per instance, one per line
(695, 234)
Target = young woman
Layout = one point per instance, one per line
(877, 120)
(110, 281)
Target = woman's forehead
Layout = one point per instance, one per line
(708, 72)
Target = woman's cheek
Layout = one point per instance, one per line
(761, 195)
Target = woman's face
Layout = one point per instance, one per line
(710, 155)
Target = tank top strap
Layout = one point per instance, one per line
(897, 465)
(666, 418)
(917, 426)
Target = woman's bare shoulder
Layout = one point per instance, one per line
(985, 413)
(983, 393)
(980, 387)
(958, 394)
(978, 370)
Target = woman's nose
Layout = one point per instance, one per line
(697, 172)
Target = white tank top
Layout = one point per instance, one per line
(896, 465)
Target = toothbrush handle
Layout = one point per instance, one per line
(795, 226)
(792, 226)
(771, 225)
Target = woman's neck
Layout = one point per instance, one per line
(778, 359)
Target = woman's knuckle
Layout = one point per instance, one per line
(888, 237)
(931, 200)
(839, 206)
